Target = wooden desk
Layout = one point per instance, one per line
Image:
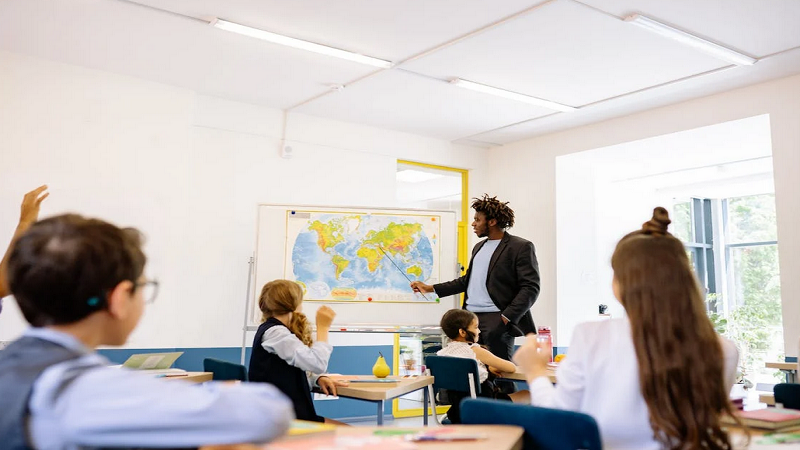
(192, 377)
(519, 376)
(769, 399)
(790, 369)
(498, 437)
(381, 392)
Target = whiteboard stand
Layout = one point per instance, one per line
(250, 265)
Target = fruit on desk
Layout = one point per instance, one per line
(559, 357)
(381, 369)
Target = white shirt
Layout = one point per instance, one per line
(284, 343)
(600, 377)
(478, 299)
(113, 407)
(464, 350)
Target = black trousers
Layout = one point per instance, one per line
(494, 335)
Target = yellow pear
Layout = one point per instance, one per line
(381, 369)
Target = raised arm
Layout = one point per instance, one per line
(29, 213)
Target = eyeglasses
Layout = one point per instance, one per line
(149, 290)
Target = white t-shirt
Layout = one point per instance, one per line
(464, 350)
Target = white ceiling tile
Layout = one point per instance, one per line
(385, 29)
(785, 65)
(137, 41)
(755, 27)
(411, 103)
(568, 53)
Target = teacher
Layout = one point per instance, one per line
(502, 281)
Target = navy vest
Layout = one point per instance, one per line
(270, 368)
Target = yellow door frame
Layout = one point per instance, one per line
(462, 252)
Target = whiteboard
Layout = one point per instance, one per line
(283, 237)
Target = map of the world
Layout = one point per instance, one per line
(362, 257)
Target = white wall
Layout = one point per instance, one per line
(525, 173)
(188, 171)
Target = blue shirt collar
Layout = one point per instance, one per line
(64, 339)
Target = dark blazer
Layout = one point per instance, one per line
(512, 282)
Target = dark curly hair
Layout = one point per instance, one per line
(493, 208)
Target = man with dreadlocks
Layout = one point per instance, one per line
(502, 281)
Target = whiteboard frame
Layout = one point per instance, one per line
(445, 274)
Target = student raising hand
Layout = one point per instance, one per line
(325, 317)
(29, 213)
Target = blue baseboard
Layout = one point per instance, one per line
(344, 360)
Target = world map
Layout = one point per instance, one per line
(362, 257)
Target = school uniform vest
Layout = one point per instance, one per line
(21, 363)
(268, 367)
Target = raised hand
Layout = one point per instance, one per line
(325, 317)
(29, 211)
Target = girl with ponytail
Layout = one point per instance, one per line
(283, 351)
(657, 379)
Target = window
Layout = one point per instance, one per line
(732, 244)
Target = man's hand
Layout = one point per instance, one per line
(328, 386)
(419, 286)
(29, 211)
(505, 321)
(532, 358)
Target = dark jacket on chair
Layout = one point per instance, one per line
(512, 282)
(270, 368)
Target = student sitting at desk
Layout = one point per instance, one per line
(80, 283)
(462, 328)
(658, 379)
(283, 350)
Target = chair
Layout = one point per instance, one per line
(452, 374)
(787, 394)
(545, 429)
(224, 370)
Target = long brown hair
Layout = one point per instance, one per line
(681, 363)
(283, 296)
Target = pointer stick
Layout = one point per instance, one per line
(401, 271)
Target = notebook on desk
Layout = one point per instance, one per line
(767, 418)
(156, 363)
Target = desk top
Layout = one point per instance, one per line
(498, 437)
(191, 377)
(781, 365)
(519, 376)
(380, 391)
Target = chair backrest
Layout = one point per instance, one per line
(545, 429)
(788, 394)
(451, 373)
(224, 370)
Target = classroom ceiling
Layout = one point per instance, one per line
(578, 53)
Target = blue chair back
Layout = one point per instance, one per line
(788, 394)
(545, 429)
(450, 373)
(224, 370)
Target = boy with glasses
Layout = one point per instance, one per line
(80, 283)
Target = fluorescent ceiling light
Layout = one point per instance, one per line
(300, 44)
(683, 37)
(416, 176)
(511, 95)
